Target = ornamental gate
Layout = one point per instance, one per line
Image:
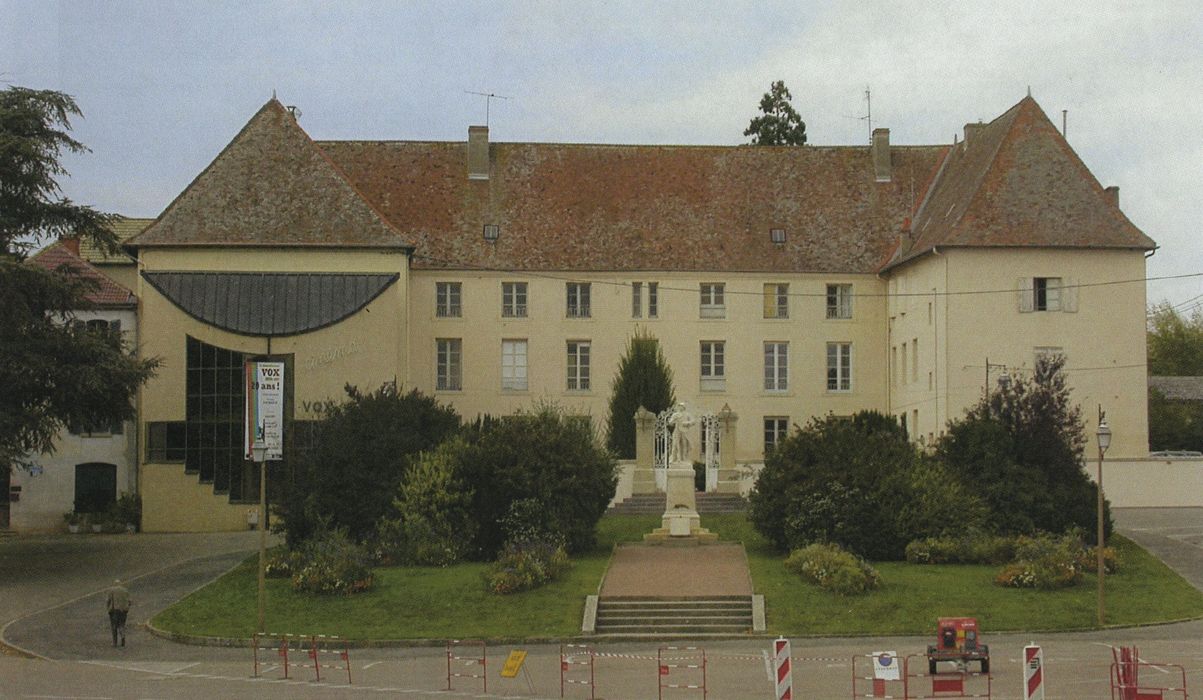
(710, 427)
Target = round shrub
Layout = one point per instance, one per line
(332, 564)
(833, 569)
(526, 564)
(1044, 562)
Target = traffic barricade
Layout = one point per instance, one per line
(321, 648)
(878, 675)
(1126, 684)
(271, 642)
(689, 665)
(471, 652)
(577, 659)
(944, 686)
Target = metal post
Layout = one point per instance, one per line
(1099, 543)
(262, 602)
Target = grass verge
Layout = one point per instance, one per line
(437, 603)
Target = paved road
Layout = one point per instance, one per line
(50, 596)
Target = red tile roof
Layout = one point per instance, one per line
(1017, 182)
(58, 257)
(595, 207)
(271, 186)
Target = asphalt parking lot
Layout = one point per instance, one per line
(51, 605)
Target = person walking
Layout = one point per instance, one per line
(117, 603)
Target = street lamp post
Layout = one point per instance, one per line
(1104, 439)
(259, 455)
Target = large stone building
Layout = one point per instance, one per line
(782, 283)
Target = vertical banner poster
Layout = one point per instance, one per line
(265, 407)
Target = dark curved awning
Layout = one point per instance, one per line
(269, 303)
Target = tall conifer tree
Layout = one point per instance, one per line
(644, 379)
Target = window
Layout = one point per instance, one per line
(777, 236)
(713, 375)
(636, 299)
(449, 367)
(914, 359)
(1047, 293)
(578, 365)
(839, 301)
(776, 301)
(712, 300)
(894, 365)
(165, 441)
(215, 403)
(653, 289)
(578, 299)
(653, 300)
(513, 365)
(775, 430)
(839, 367)
(513, 299)
(902, 366)
(776, 366)
(447, 299)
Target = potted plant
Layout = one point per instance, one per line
(73, 521)
(127, 512)
(96, 520)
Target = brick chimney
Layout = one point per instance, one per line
(881, 155)
(71, 243)
(971, 132)
(478, 153)
(1112, 195)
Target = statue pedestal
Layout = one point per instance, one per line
(681, 523)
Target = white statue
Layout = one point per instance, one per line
(681, 421)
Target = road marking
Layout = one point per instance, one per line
(768, 664)
(71, 697)
(367, 666)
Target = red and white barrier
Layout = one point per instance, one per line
(478, 655)
(785, 678)
(689, 661)
(320, 644)
(577, 658)
(1033, 672)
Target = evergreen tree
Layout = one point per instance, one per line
(779, 123)
(1022, 447)
(52, 373)
(644, 379)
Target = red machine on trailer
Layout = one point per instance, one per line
(957, 640)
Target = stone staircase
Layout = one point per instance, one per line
(664, 617)
(653, 503)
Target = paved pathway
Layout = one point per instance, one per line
(1174, 535)
(703, 570)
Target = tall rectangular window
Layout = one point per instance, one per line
(713, 366)
(839, 301)
(1047, 293)
(578, 365)
(775, 430)
(214, 410)
(914, 359)
(903, 366)
(776, 301)
(839, 367)
(513, 365)
(713, 305)
(513, 299)
(578, 299)
(636, 299)
(776, 366)
(447, 299)
(449, 371)
(653, 299)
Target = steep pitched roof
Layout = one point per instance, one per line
(605, 207)
(124, 228)
(1017, 182)
(107, 293)
(1178, 388)
(271, 187)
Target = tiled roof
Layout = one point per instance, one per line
(1017, 182)
(1178, 388)
(124, 228)
(271, 187)
(595, 207)
(269, 304)
(107, 293)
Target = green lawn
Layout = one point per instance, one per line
(438, 603)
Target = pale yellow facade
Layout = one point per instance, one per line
(680, 328)
(961, 308)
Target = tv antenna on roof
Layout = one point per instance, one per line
(868, 115)
(489, 97)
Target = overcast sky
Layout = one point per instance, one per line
(164, 86)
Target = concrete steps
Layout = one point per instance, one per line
(646, 616)
(653, 503)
